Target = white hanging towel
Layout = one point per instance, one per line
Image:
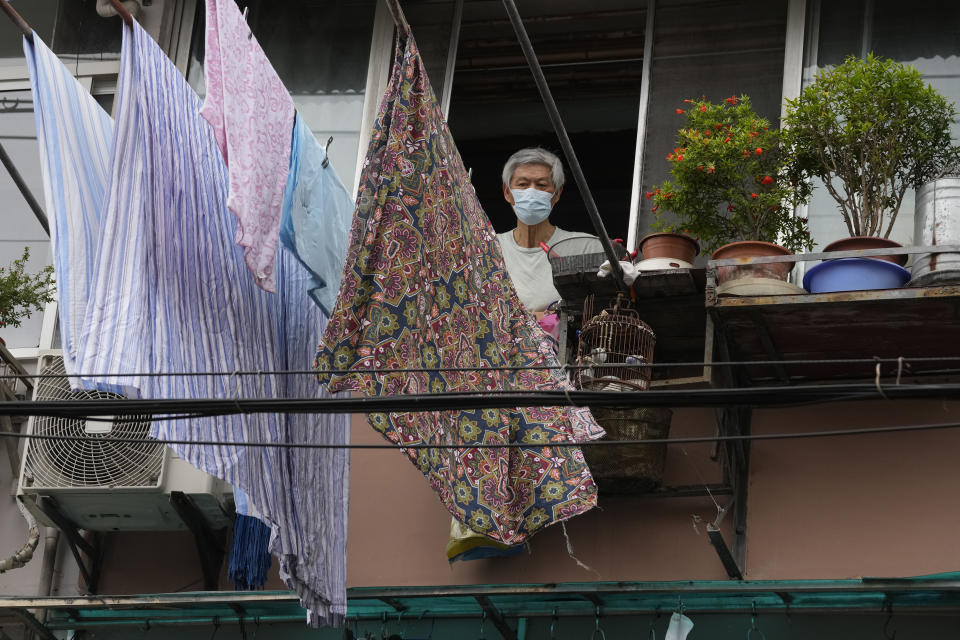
(680, 626)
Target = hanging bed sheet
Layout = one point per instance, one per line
(425, 287)
(170, 292)
(74, 135)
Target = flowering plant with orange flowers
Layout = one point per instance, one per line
(728, 180)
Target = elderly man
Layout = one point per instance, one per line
(532, 184)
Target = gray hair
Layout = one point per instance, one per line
(534, 155)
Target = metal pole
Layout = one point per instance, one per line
(565, 143)
(24, 189)
(451, 58)
(122, 12)
(17, 19)
(641, 128)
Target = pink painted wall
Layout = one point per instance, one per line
(877, 505)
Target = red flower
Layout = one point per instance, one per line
(753, 195)
(726, 140)
(654, 208)
(759, 150)
(699, 167)
(679, 158)
(767, 180)
(729, 207)
(679, 111)
(710, 169)
(703, 108)
(649, 194)
(718, 126)
(687, 100)
(732, 100)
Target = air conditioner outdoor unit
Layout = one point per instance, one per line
(108, 486)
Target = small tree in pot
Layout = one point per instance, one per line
(728, 183)
(870, 130)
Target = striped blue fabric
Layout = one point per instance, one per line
(74, 135)
(171, 293)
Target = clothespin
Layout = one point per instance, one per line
(246, 10)
(326, 153)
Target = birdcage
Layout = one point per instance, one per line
(615, 350)
(615, 353)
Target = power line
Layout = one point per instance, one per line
(500, 399)
(506, 445)
(873, 361)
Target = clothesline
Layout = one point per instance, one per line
(905, 362)
(753, 437)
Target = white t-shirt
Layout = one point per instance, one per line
(529, 268)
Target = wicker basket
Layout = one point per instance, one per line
(629, 468)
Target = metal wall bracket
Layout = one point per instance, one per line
(89, 568)
(716, 539)
(211, 545)
(496, 618)
(735, 456)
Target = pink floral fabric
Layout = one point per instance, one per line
(252, 115)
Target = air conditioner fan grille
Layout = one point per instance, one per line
(92, 461)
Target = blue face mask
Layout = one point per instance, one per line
(532, 206)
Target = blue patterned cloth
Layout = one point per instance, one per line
(171, 293)
(317, 212)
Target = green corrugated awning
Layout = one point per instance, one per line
(922, 593)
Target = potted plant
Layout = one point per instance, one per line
(667, 250)
(22, 293)
(869, 129)
(729, 189)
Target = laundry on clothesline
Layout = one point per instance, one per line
(74, 134)
(317, 212)
(250, 559)
(251, 113)
(170, 292)
(425, 286)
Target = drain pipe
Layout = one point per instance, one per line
(24, 555)
(51, 541)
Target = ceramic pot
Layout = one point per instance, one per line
(857, 243)
(669, 245)
(752, 249)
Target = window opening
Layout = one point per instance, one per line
(592, 57)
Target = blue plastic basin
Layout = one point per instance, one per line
(854, 274)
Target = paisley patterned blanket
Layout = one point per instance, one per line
(425, 287)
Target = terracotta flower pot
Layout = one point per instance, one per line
(857, 243)
(669, 245)
(752, 249)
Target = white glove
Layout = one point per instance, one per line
(630, 271)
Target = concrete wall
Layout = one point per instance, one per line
(873, 505)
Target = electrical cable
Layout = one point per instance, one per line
(501, 399)
(572, 367)
(753, 437)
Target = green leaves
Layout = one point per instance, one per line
(876, 129)
(728, 181)
(22, 293)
